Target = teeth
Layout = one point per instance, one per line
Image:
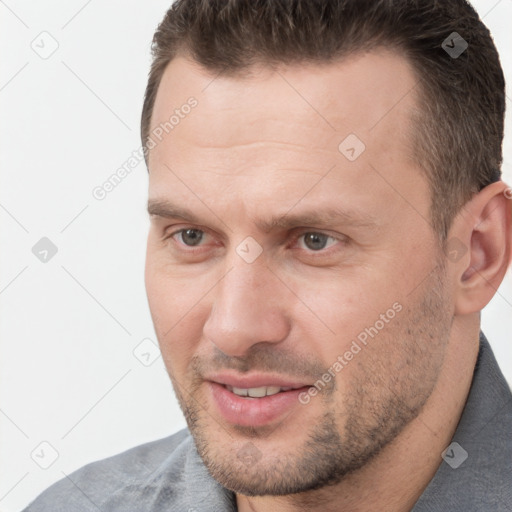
(240, 391)
(257, 392)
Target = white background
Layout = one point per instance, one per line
(68, 374)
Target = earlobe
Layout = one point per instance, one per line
(485, 223)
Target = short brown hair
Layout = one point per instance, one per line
(458, 136)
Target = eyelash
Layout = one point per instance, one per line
(319, 253)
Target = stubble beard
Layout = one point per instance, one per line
(385, 393)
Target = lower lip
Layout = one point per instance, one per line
(254, 412)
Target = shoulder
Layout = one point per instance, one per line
(480, 475)
(127, 473)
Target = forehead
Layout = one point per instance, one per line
(363, 93)
(285, 125)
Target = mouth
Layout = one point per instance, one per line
(255, 406)
(261, 391)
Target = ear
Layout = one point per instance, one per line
(479, 247)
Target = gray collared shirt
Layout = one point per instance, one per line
(168, 474)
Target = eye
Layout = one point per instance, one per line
(189, 236)
(316, 241)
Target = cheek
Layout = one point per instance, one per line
(178, 310)
(169, 295)
(341, 306)
(351, 323)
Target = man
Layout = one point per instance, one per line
(327, 222)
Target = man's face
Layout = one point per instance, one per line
(303, 255)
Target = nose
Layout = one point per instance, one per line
(248, 308)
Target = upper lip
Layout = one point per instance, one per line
(256, 381)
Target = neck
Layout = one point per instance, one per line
(396, 478)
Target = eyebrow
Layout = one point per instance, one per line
(318, 217)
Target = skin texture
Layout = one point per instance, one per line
(267, 145)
